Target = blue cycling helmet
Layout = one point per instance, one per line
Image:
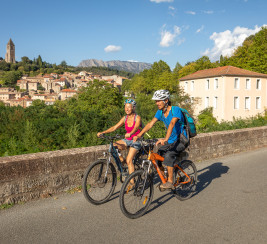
(131, 101)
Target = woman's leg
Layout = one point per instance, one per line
(129, 160)
(120, 144)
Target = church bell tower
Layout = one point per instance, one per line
(10, 52)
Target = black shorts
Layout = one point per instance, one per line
(171, 151)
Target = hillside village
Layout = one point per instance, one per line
(51, 87)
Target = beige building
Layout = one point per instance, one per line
(231, 91)
(66, 94)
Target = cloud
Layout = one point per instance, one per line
(163, 53)
(162, 1)
(133, 61)
(168, 37)
(190, 12)
(172, 10)
(200, 29)
(208, 11)
(227, 41)
(112, 48)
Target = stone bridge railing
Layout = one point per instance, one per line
(31, 176)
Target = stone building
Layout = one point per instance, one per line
(10, 52)
(231, 91)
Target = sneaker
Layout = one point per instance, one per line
(167, 185)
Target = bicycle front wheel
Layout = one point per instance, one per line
(184, 186)
(136, 194)
(99, 182)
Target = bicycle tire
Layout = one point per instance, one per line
(185, 191)
(131, 196)
(95, 189)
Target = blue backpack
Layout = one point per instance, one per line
(189, 123)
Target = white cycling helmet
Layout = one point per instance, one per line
(161, 95)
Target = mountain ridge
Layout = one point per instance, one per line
(130, 66)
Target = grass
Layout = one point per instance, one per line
(6, 206)
(75, 189)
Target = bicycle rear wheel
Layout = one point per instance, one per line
(184, 187)
(136, 197)
(98, 188)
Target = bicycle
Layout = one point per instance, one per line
(137, 191)
(100, 178)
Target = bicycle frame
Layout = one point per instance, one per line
(112, 152)
(152, 157)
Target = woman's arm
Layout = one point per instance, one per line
(113, 128)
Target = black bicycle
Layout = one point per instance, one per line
(100, 178)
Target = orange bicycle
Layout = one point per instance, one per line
(137, 191)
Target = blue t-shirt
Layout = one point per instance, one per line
(178, 128)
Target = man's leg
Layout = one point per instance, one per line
(168, 161)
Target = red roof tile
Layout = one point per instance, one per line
(222, 71)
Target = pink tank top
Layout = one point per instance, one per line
(129, 129)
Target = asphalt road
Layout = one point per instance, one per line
(230, 206)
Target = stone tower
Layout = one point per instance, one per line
(10, 52)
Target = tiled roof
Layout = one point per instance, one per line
(68, 90)
(222, 71)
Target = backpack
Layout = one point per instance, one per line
(189, 124)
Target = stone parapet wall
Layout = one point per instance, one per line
(31, 176)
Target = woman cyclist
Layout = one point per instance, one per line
(132, 123)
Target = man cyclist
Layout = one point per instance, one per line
(171, 144)
(132, 123)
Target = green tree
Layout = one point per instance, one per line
(10, 78)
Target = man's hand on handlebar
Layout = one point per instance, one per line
(135, 138)
(162, 142)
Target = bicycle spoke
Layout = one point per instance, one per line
(136, 197)
(96, 187)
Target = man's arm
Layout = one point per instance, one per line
(146, 128)
(169, 131)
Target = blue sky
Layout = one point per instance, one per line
(138, 30)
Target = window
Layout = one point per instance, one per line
(216, 83)
(192, 99)
(236, 85)
(247, 102)
(258, 102)
(236, 102)
(207, 101)
(247, 84)
(258, 84)
(207, 84)
(215, 102)
(186, 86)
(192, 85)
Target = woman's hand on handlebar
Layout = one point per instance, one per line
(99, 134)
(127, 135)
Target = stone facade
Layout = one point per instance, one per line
(31, 176)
